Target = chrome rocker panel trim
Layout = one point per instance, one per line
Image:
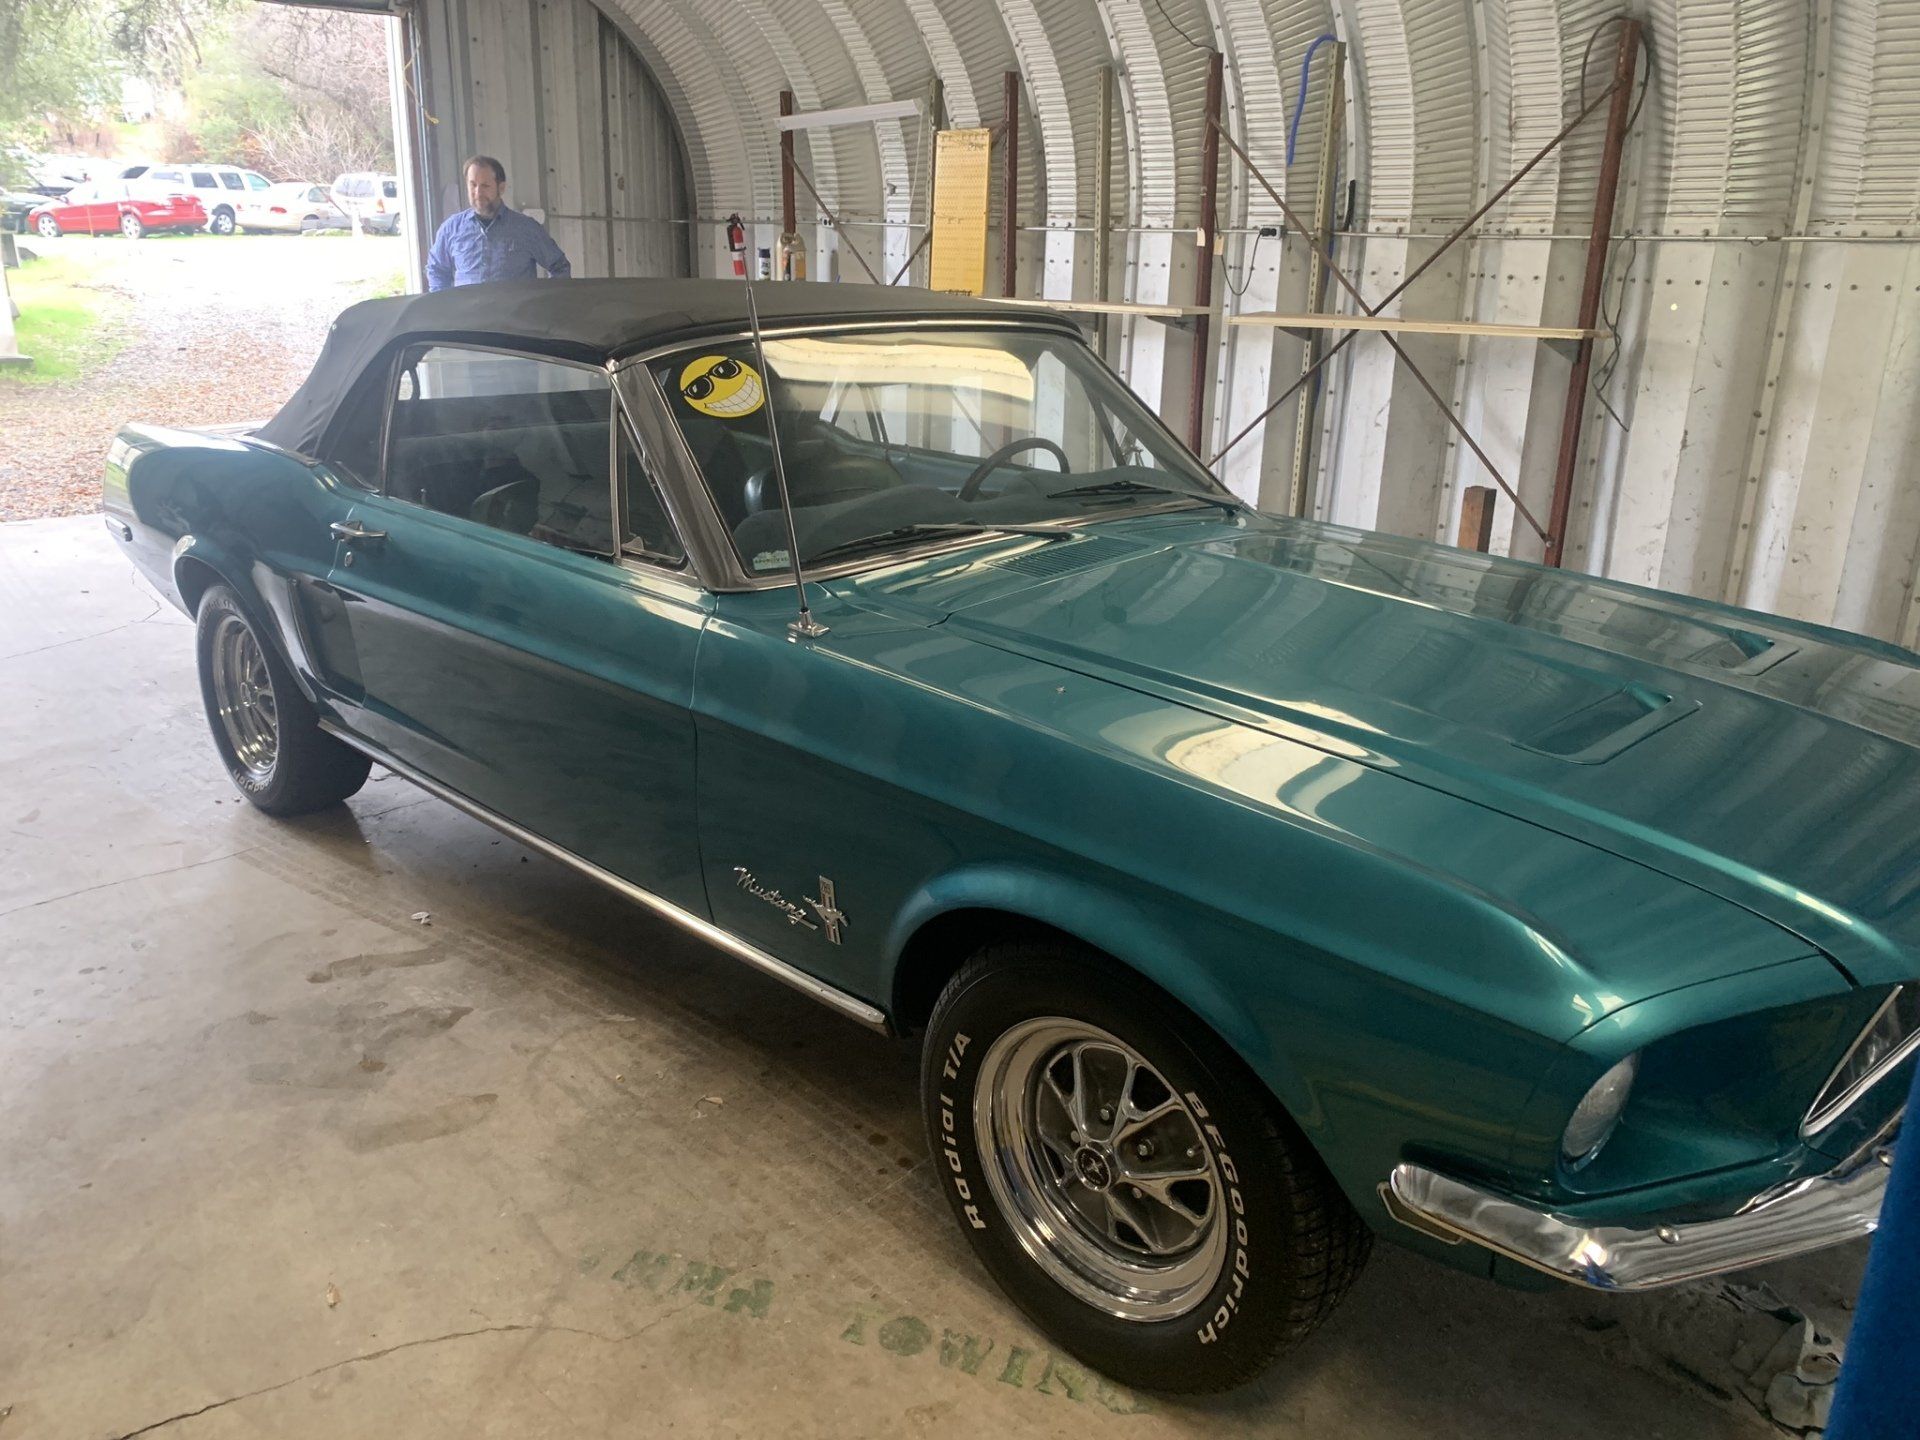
(1789, 1220)
(834, 999)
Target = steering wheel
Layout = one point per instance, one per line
(970, 487)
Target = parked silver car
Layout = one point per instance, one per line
(296, 206)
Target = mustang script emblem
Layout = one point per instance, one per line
(744, 878)
(830, 914)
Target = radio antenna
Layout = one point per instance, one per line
(804, 626)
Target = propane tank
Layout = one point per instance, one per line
(737, 243)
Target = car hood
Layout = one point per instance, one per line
(1771, 763)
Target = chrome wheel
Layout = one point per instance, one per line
(243, 693)
(1100, 1169)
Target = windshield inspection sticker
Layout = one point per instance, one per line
(722, 387)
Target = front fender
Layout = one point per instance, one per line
(1170, 950)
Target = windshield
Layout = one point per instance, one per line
(883, 432)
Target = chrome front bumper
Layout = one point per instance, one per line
(1800, 1216)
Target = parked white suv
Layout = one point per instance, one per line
(232, 196)
(371, 198)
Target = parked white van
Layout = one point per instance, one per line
(371, 198)
(231, 195)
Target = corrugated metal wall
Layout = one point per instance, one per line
(1751, 430)
(560, 95)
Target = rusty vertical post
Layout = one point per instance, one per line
(1203, 260)
(789, 214)
(1325, 203)
(1010, 202)
(1619, 110)
(1476, 518)
(1102, 206)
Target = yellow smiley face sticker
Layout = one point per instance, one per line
(722, 387)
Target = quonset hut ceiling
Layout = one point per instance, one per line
(1751, 433)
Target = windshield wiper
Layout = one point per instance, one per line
(1136, 487)
(884, 538)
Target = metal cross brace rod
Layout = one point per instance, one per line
(1419, 270)
(913, 257)
(833, 220)
(1347, 285)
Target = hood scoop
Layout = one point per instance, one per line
(1594, 734)
(1067, 557)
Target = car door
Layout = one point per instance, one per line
(511, 629)
(234, 193)
(256, 205)
(104, 205)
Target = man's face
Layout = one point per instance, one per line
(483, 191)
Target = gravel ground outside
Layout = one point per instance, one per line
(220, 330)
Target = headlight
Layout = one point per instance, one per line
(1888, 1039)
(1598, 1112)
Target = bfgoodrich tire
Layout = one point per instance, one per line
(1124, 1177)
(265, 730)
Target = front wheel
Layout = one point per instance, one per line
(48, 227)
(1124, 1177)
(132, 226)
(266, 731)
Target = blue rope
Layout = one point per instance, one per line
(1300, 98)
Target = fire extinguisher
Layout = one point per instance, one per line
(737, 243)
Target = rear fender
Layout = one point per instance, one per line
(198, 563)
(204, 507)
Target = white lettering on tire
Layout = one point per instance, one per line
(1236, 1201)
(949, 1130)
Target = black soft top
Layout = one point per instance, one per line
(587, 320)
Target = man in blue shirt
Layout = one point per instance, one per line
(489, 241)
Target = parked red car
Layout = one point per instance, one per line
(99, 206)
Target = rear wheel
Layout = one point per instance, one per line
(222, 222)
(132, 226)
(266, 731)
(1124, 1177)
(48, 227)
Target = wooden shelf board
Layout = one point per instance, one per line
(1114, 307)
(1413, 327)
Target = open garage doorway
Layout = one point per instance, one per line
(188, 223)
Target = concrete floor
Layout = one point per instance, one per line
(276, 1159)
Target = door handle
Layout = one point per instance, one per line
(352, 530)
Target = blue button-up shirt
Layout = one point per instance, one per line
(465, 252)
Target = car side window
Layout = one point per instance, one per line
(171, 177)
(257, 182)
(509, 441)
(232, 181)
(647, 531)
(203, 179)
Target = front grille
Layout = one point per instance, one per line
(1890, 1037)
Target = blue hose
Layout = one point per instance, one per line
(1300, 99)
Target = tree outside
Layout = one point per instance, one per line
(293, 93)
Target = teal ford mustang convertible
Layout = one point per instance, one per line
(1254, 887)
